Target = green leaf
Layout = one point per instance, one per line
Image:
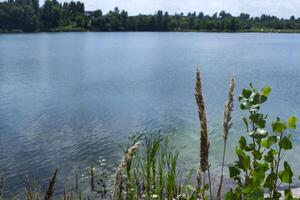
(286, 175)
(270, 155)
(246, 93)
(257, 154)
(292, 122)
(269, 141)
(258, 119)
(252, 192)
(248, 106)
(263, 98)
(278, 126)
(244, 159)
(242, 142)
(255, 98)
(250, 147)
(266, 90)
(259, 133)
(269, 182)
(277, 195)
(233, 195)
(288, 194)
(246, 123)
(285, 143)
(259, 173)
(234, 171)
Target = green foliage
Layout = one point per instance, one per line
(153, 171)
(258, 166)
(17, 16)
(26, 15)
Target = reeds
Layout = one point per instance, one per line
(1, 187)
(117, 189)
(32, 190)
(92, 179)
(50, 190)
(227, 124)
(204, 144)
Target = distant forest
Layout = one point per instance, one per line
(29, 16)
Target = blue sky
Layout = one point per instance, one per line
(280, 8)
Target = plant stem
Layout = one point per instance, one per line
(222, 170)
(209, 182)
(277, 169)
(203, 193)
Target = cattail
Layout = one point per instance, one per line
(203, 123)
(50, 189)
(228, 108)
(117, 189)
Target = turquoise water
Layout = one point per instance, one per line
(67, 99)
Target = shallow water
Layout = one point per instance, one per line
(67, 99)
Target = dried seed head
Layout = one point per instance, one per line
(204, 147)
(228, 108)
(121, 168)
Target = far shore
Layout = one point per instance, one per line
(58, 30)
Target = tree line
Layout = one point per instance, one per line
(29, 16)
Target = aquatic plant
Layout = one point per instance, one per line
(117, 190)
(152, 173)
(204, 144)
(1, 187)
(227, 124)
(50, 190)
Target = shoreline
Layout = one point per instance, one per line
(175, 31)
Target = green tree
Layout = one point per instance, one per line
(51, 14)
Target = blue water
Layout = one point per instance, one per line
(70, 99)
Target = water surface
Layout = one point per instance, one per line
(67, 99)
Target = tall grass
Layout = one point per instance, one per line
(1, 187)
(204, 144)
(227, 124)
(152, 173)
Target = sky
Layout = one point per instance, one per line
(279, 8)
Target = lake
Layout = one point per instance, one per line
(71, 99)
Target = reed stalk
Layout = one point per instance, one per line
(92, 179)
(227, 124)
(117, 189)
(50, 190)
(65, 193)
(76, 183)
(1, 187)
(204, 145)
